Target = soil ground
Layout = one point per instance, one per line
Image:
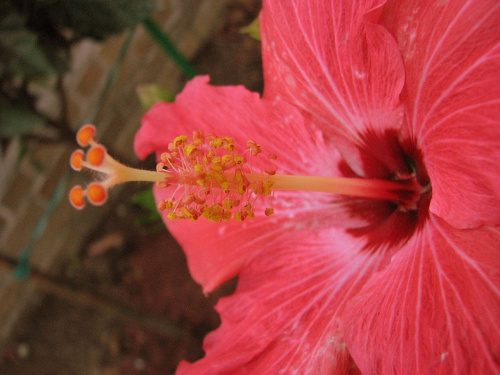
(134, 308)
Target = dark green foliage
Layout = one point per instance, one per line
(35, 39)
(17, 118)
(146, 201)
(93, 18)
(20, 52)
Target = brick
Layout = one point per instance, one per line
(58, 171)
(43, 155)
(141, 44)
(57, 231)
(75, 112)
(15, 297)
(189, 44)
(112, 47)
(208, 18)
(91, 79)
(17, 193)
(3, 226)
(82, 53)
(24, 227)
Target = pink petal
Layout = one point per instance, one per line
(451, 52)
(435, 309)
(216, 252)
(283, 317)
(344, 72)
(241, 114)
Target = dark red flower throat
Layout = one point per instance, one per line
(394, 220)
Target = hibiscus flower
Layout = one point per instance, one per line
(400, 92)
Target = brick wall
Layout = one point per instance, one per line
(27, 184)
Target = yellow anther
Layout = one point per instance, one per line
(198, 168)
(228, 143)
(187, 214)
(228, 162)
(217, 143)
(213, 178)
(207, 214)
(239, 160)
(229, 147)
(227, 204)
(219, 177)
(216, 167)
(225, 185)
(226, 215)
(266, 187)
(207, 177)
(180, 140)
(269, 211)
(189, 149)
(238, 176)
(214, 213)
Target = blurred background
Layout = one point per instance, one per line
(103, 290)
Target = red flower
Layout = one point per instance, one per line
(331, 284)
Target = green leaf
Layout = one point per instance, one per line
(146, 201)
(152, 94)
(17, 119)
(253, 30)
(95, 18)
(20, 52)
(151, 218)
